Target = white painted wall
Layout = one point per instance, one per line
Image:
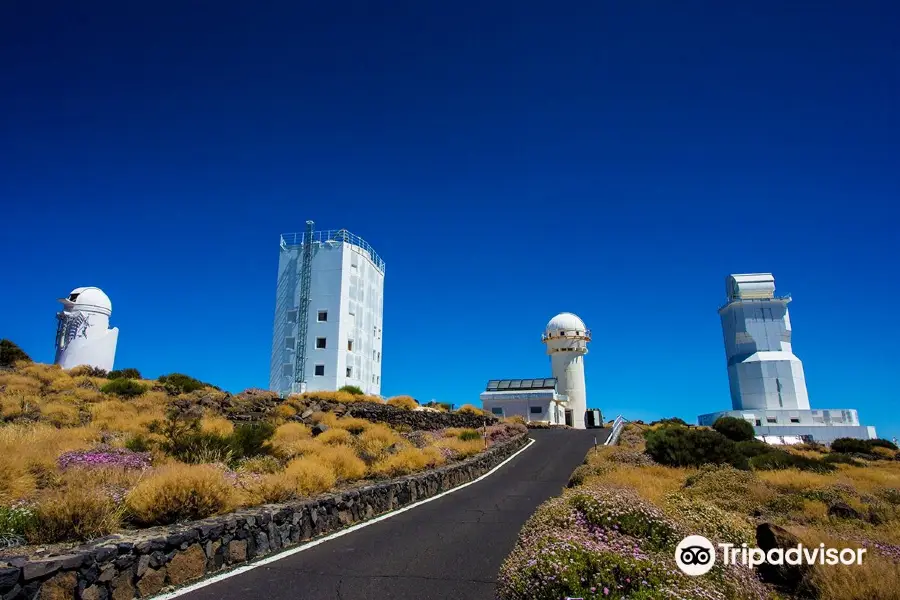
(347, 284)
(566, 338)
(763, 371)
(83, 336)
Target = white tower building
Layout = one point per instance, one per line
(762, 369)
(83, 336)
(328, 313)
(566, 337)
(768, 388)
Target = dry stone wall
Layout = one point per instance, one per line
(142, 564)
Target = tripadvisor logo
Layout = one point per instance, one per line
(696, 555)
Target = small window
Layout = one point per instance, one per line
(373, 355)
(771, 419)
(349, 371)
(758, 423)
(795, 419)
(379, 357)
(497, 410)
(323, 316)
(320, 343)
(320, 370)
(536, 410)
(378, 379)
(289, 343)
(292, 316)
(350, 345)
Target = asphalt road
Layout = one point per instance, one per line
(450, 548)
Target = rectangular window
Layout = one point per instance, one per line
(320, 343)
(292, 316)
(349, 371)
(536, 410)
(378, 379)
(497, 410)
(758, 423)
(795, 419)
(379, 357)
(323, 316)
(320, 370)
(349, 345)
(289, 343)
(771, 419)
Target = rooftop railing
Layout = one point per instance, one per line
(289, 240)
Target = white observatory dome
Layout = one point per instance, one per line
(88, 299)
(565, 322)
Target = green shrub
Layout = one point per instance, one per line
(352, 389)
(126, 388)
(124, 374)
(851, 446)
(691, 447)
(10, 353)
(751, 448)
(878, 443)
(139, 443)
(179, 383)
(779, 459)
(251, 439)
(200, 447)
(737, 430)
(670, 421)
(15, 522)
(469, 434)
(835, 458)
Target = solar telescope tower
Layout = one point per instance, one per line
(566, 337)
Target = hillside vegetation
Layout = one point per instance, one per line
(613, 532)
(83, 455)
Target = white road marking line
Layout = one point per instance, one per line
(285, 553)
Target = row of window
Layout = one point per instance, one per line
(535, 410)
(319, 371)
(322, 344)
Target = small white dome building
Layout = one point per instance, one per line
(566, 337)
(83, 336)
(557, 400)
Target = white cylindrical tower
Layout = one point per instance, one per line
(566, 337)
(83, 336)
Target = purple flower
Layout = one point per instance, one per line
(104, 456)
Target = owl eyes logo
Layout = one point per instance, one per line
(695, 555)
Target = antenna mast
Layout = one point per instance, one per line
(303, 312)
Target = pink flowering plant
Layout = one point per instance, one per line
(606, 542)
(104, 456)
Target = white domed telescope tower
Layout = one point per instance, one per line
(83, 336)
(566, 337)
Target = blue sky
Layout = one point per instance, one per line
(613, 159)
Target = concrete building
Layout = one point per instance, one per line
(531, 399)
(328, 313)
(768, 387)
(559, 400)
(83, 336)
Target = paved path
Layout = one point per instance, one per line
(450, 548)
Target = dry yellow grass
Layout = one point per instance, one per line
(76, 512)
(309, 475)
(346, 465)
(285, 411)
(60, 414)
(286, 436)
(12, 383)
(469, 409)
(179, 491)
(407, 460)
(373, 443)
(653, 483)
(875, 579)
(794, 480)
(460, 447)
(335, 436)
(407, 402)
(45, 374)
(272, 488)
(217, 425)
(124, 416)
(352, 424)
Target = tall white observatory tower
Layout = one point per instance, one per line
(328, 313)
(763, 371)
(566, 337)
(83, 336)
